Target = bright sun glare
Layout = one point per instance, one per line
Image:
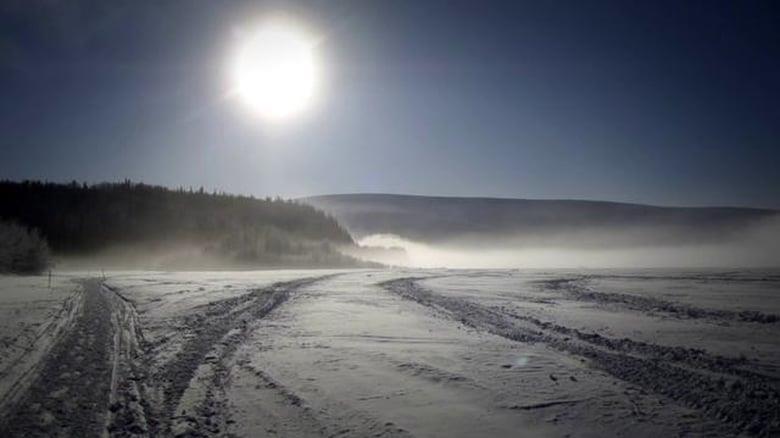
(275, 71)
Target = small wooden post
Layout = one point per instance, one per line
(49, 278)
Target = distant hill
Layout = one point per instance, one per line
(524, 222)
(177, 228)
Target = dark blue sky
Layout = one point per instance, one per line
(659, 102)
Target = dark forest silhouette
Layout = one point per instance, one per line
(82, 220)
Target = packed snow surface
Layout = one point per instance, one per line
(361, 353)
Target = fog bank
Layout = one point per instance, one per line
(757, 247)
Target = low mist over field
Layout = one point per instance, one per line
(389, 218)
(515, 233)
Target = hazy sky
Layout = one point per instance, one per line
(654, 102)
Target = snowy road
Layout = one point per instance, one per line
(408, 353)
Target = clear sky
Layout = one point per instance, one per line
(662, 102)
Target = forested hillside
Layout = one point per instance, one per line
(82, 220)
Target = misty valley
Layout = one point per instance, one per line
(389, 218)
(135, 310)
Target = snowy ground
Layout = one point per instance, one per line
(33, 314)
(392, 353)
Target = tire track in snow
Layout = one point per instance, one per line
(213, 332)
(577, 289)
(23, 369)
(127, 401)
(72, 390)
(743, 401)
(95, 380)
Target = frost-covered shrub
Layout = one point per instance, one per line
(22, 250)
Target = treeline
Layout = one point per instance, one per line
(80, 219)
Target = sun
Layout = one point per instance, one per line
(275, 71)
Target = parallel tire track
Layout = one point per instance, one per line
(95, 380)
(128, 412)
(70, 395)
(742, 400)
(26, 367)
(219, 326)
(577, 289)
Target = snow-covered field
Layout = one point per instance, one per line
(392, 353)
(32, 316)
